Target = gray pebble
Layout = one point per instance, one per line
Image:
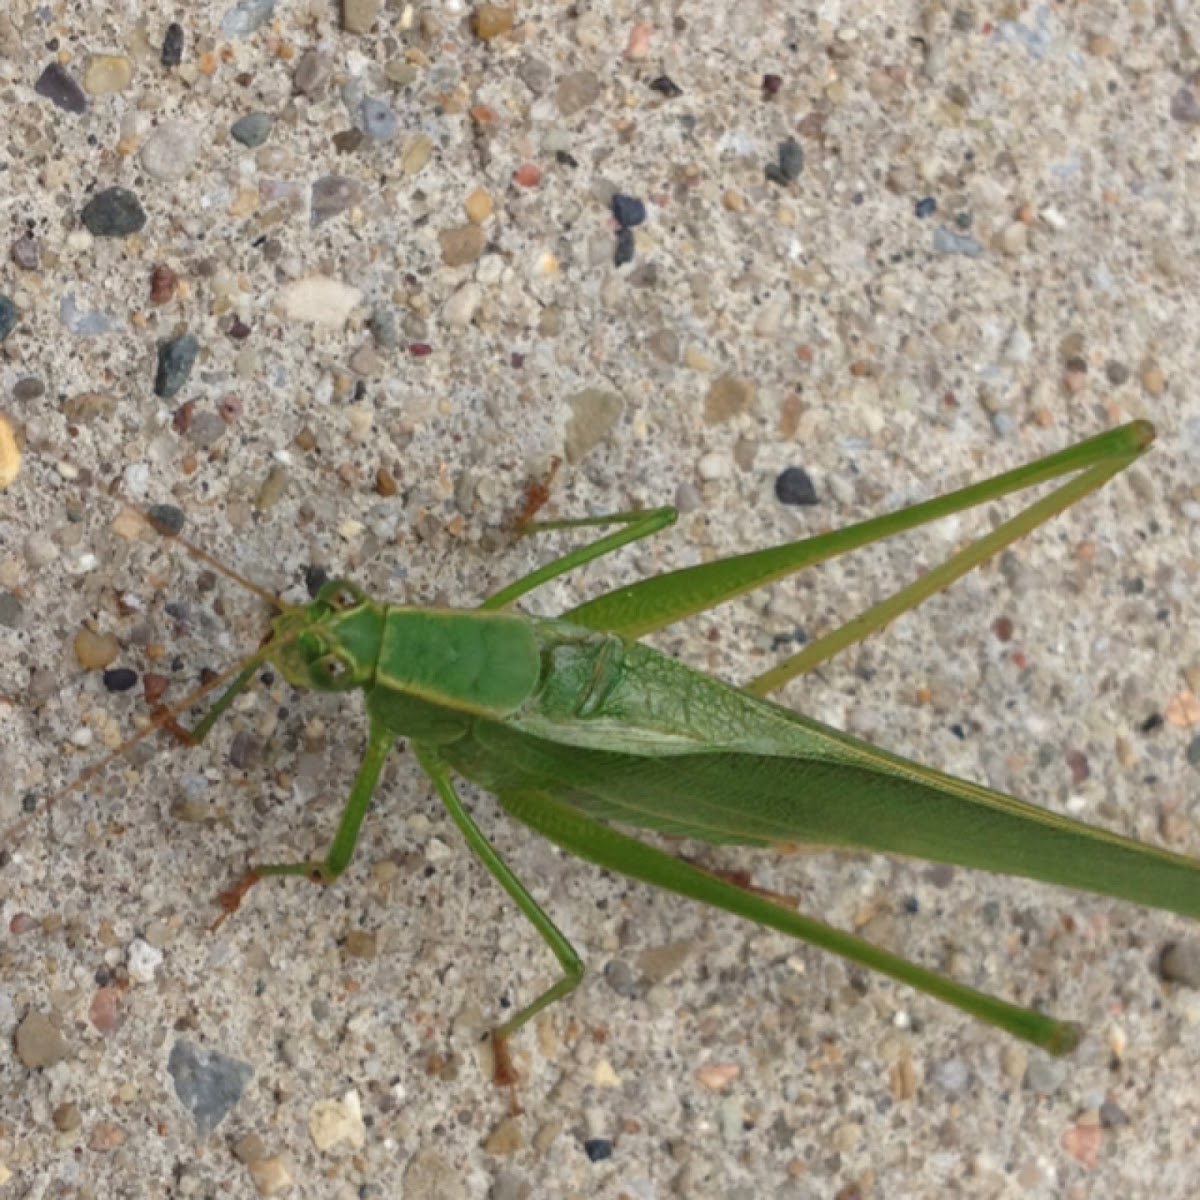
(114, 212)
(207, 1084)
(331, 195)
(170, 150)
(61, 90)
(85, 324)
(1180, 963)
(951, 1076)
(25, 253)
(791, 159)
(376, 119)
(946, 241)
(11, 610)
(207, 428)
(246, 16)
(577, 91)
(1185, 108)
(1044, 1076)
(171, 54)
(8, 316)
(535, 74)
(623, 979)
(312, 73)
(383, 327)
(175, 361)
(253, 129)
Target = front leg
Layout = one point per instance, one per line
(341, 849)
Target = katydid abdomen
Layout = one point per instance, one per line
(687, 755)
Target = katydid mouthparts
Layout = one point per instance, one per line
(584, 733)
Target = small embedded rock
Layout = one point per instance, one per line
(795, 486)
(114, 212)
(252, 130)
(39, 1042)
(176, 358)
(61, 89)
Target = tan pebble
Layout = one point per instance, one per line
(493, 21)
(1152, 379)
(505, 1139)
(106, 1136)
(10, 455)
(95, 651)
(332, 1122)
(734, 201)
(271, 1176)
(478, 206)
(107, 74)
(416, 154)
(717, 1076)
(1182, 711)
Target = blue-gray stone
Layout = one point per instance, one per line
(175, 360)
(207, 1084)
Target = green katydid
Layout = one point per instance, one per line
(578, 729)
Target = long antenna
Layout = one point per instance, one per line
(163, 718)
(161, 527)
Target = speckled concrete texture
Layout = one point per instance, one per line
(340, 283)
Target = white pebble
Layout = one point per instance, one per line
(317, 299)
(461, 308)
(142, 960)
(170, 150)
(714, 466)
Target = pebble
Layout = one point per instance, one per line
(8, 316)
(253, 129)
(319, 300)
(39, 1042)
(207, 1084)
(952, 1075)
(142, 960)
(107, 74)
(576, 91)
(272, 1176)
(462, 245)
(359, 15)
(625, 248)
(629, 211)
(170, 150)
(120, 679)
(95, 651)
(246, 16)
(460, 309)
(114, 212)
(312, 73)
(332, 195)
(428, 1176)
(176, 358)
(39, 550)
(104, 1012)
(1044, 1076)
(67, 1117)
(1185, 107)
(85, 324)
(171, 54)
(332, 1122)
(61, 89)
(795, 486)
(594, 413)
(714, 465)
(384, 328)
(12, 612)
(25, 252)
(947, 241)
(478, 206)
(376, 119)
(167, 519)
(493, 21)
(665, 86)
(598, 1149)
(727, 398)
(1180, 963)
(925, 207)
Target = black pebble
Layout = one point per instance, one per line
(172, 47)
(167, 519)
(598, 1149)
(624, 253)
(8, 316)
(925, 207)
(794, 486)
(114, 212)
(120, 679)
(61, 90)
(628, 210)
(664, 85)
(175, 361)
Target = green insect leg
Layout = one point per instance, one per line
(568, 957)
(341, 849)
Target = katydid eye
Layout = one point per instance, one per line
(333, 667)
(344, 597)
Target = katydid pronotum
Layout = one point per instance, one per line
(579, 729)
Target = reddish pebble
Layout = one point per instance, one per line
(527, 175)
(153, 687)
(22, 922)
(163, 282)
(638, 46)
(1002, 627)
(230, 408)
(181, 422)
(420, 349)
(771, 85)
(1078, 763)
(105, 1010)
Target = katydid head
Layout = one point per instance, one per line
(332, 644)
